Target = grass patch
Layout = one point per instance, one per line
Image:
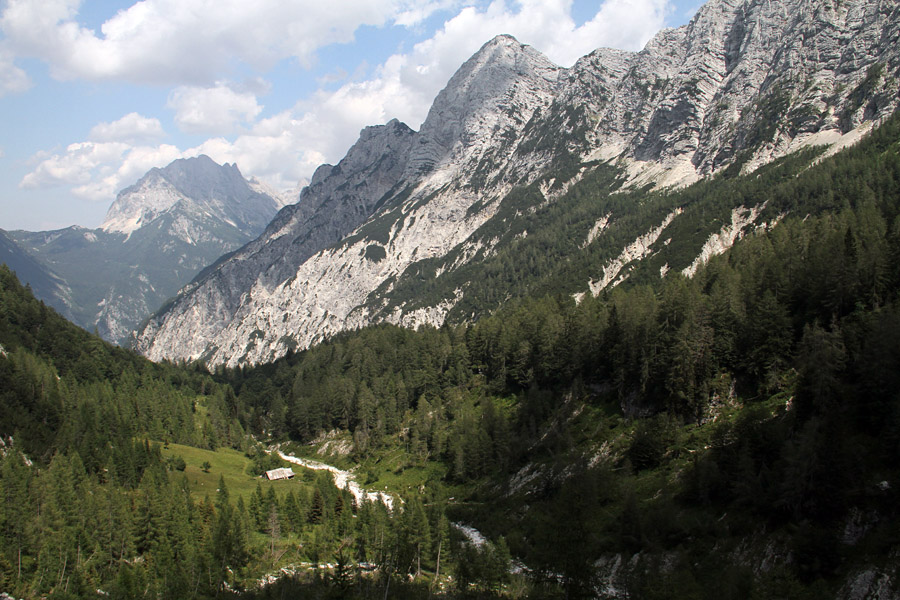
(232, 466)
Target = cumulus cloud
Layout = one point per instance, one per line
(285, 148)
(215, 110)
(131, 128)
(12, 79)
(75, 166)
(406, 83)
(96, 170)
(321, 128)
(189, 42)
(281, 150)
(624, 24)
(414, 13)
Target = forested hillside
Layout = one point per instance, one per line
(104, 459)
(729, 435)
(86, 502)
(751, 408)
(65, 389)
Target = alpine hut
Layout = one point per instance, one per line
(284, 473)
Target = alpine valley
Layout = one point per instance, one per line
(629, 329)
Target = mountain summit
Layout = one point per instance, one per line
(409, 218)
(158, 234)
(193, 186)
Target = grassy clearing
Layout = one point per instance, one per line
(394, 472)
(232, 466)
(389, 468)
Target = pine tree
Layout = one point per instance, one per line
(274, 530)
(257, 508)
(317, 508)
(14, 510)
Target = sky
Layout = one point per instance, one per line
(95, 93)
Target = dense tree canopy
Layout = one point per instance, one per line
(763, 388)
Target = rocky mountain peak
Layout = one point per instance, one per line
(140, 203)
(202, 178)
(158, 234)
(384, 146)
(196, 185)
(747, 81)
(504, 81)
(339, 199)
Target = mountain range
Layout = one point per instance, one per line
(157, 235)
(406, 227)
(666, 291)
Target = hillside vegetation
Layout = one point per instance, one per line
(729, 435)
(751, 408)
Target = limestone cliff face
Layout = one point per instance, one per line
(745, 82)
(339, 199)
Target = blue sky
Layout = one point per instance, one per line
(95, 93)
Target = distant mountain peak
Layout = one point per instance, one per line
(197, 181)
(137, 205)
(176, 221)
(281, 198)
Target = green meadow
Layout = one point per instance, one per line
(231, 465)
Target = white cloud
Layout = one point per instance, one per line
(215, 110)
(281, 150)
(12, 79)
(287, 147)
(97, 170)
(112, 158)
(75, 166)
(131, 128)
(624, 24)
(190, 42)
(405, 84)
(416, 12)
(138, 161)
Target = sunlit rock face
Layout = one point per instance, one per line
(742, 84)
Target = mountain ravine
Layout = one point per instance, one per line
(742, 84)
